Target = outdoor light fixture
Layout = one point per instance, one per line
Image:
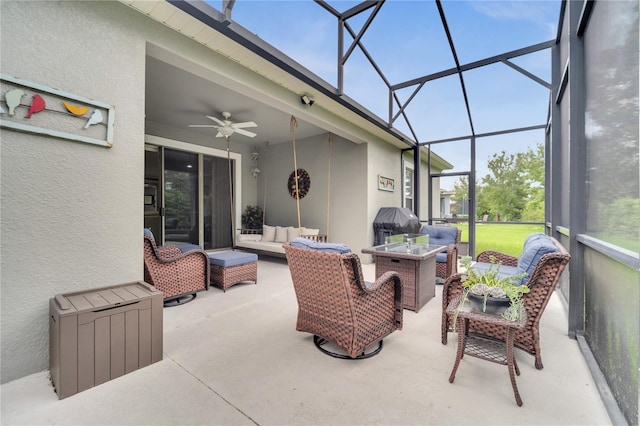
(306, 100)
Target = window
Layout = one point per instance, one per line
(408, 186)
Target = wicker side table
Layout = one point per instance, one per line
(484, 347)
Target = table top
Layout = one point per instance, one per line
(469, 312)
(406, 250)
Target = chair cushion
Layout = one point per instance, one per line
(184, 247)
(314, 245)
(440, 257)
(440, 235)
(535, 247)
(226, 259)
(503, 270)
(148, 233)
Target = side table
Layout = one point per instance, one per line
(484, 347)
(416, 265)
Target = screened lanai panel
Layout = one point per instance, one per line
(457, 153)
(300, 29)
(488, 28)
(562, 173)
(363, 83)
(407, 40)
(438, 111)
(503, 98)
(612, 325)
(510, 177)
(613, 170)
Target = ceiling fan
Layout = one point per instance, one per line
(226, 128)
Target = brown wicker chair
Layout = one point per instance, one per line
(542, 282)
(336, 305)
(449, 236)
(176, 274)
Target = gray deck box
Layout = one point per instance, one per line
(103, 333)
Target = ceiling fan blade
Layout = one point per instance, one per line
(216, 119)
(219, 135)
(243, 125)
(245, 132)
(203, 125)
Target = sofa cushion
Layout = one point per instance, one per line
(535, 247)
(440, 235)
(441, 257)
(268, 233)
(326, 247)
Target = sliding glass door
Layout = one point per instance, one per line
(181, 207)
(217, 206)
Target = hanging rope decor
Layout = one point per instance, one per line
(329, 184)
(293, 124)
(233, 234)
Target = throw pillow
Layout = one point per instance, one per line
(310, 231)
(268, 233)
(292, 232)
(281, 234)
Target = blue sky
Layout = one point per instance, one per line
(407, 40)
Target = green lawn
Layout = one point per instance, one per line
(506, 238)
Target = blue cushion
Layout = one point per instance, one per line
(148, 233)
(441, 257)
(308, 244)
(440, 235)
(534, 248)
(503, 270)
(184, 247)
(231, 258)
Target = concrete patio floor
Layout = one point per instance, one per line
(235, 358)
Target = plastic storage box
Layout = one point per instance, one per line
(103, 333)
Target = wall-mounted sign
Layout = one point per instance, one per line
(386, 184)
(34, 108)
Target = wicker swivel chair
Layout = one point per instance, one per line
(542, 281)
(176, 274)
(337, 306)
(446, 263)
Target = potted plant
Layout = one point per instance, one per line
(489, 292)
(252, 217)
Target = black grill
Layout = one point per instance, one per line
(394, 220)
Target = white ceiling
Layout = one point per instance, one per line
(178, 98)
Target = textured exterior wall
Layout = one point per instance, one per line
(348, 208)
(71, 213)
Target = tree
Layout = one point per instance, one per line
(505, 188)
(513, 190)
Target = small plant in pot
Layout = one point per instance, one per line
(252, 217)
(491, 293)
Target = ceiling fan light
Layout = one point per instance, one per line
(226, 131)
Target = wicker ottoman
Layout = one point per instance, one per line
(232, 267)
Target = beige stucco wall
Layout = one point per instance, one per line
(71, 217)
(348, 201)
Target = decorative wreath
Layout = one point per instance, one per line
(304, 183)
